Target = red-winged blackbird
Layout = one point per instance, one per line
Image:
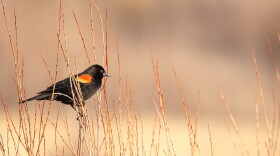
(89, 80)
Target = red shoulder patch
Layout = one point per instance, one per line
(85, 78)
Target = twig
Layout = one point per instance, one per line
(82, 38)
(232, 119)
(210, 139)
(261, 92)
(257, 128)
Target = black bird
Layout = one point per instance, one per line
(89, 80)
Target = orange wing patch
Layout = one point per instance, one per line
(85, 78)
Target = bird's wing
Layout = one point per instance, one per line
(64, 85)
(59, 86)
(84, 78)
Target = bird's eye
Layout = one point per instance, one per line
(102, 71)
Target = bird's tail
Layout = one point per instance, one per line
(37, 97)
(30, 99)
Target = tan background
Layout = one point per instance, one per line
(207, 42)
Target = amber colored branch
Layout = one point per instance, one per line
(257, 128)
(210, 139)
(92, 31)
(233, 122)
(82, 38)
(191, 131)
(263, 102)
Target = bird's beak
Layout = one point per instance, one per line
(106, 75)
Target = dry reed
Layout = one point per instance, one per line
(116, 128)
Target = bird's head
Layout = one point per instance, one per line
(97, 71)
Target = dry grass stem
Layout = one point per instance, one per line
(82, 38)
(111, 124)
(162, 108)
(210, 139)
(264, 105)
(191, 132)
(232, 120)
(257, 128)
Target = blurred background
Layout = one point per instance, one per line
(208, 42)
